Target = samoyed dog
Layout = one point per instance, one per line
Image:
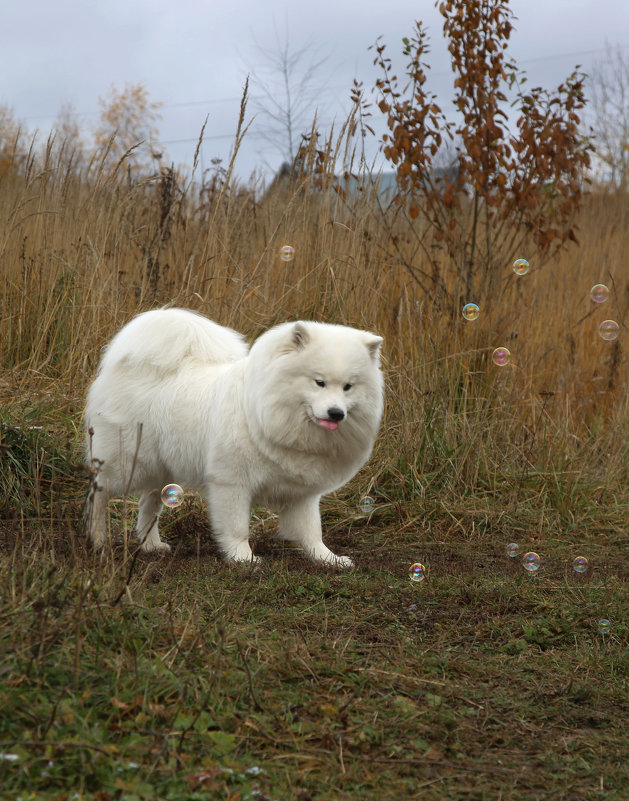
(180, 399)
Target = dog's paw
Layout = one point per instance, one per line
(245, 562)
(325, 556)
(342, 561)
(242, 555)
(336, 561)
(155, 547)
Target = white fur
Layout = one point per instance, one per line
(179, 399)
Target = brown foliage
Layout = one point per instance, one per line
(509, 190)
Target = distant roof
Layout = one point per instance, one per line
(384, 182)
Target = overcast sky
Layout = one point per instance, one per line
(193, 56)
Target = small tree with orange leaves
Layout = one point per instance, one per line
(510, 193)
(128, 129)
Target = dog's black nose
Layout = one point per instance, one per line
(334, 413)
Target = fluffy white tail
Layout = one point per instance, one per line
(164, 338)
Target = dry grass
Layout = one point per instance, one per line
(82, 253)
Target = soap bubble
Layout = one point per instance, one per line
(287, 253)
(530, 562)
(599, 293)
(520, 266)
(609, 330)
(471, 311)
(580, 564)
(366, 505)
(417, 572)
(604, 626)
(513, 549)
(501, 356)
(172, 495)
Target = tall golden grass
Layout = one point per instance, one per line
(82, 250)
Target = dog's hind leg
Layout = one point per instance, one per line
(147, 532)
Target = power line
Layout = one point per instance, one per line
(195, 139)
(568, 55)
(163, 105)
(238, 99)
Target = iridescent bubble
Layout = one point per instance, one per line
(172, 495)
(520, 266)
(580, 564)
(287, 253)
(609, 330)
(501, 356)
(513, 549)
(471, 311)
(366, 505)
(599, 293)
(417, 572)
(530, 562)
(604, 626)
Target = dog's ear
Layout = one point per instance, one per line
(373, 343)
(300, 336)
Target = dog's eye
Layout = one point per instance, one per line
(319, 382)
(347, 387)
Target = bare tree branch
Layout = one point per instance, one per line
(609, 86)
(286, 81)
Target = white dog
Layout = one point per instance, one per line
(180, 399)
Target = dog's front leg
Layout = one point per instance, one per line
(230, 507)
(300, 522)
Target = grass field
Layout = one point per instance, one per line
(130, 677)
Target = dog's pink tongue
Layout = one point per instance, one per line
(331, 425)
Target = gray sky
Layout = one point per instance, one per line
(193, 56)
